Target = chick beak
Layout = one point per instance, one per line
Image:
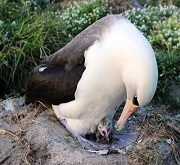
(106, 134)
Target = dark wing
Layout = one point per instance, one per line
(73, 53)
(57, 83)
(53, 85)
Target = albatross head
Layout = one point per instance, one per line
(140, 77)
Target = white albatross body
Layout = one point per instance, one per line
(119, 65)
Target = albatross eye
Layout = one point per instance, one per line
(135, 101)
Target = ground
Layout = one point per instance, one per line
(31, 134)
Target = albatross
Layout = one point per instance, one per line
(86, 80)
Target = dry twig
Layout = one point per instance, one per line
(3, 132)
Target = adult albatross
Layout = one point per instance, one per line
(86, 80)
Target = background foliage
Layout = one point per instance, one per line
(78, 16)
(27, 35)
(32, 30)
(161, 27)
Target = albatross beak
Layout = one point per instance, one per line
(129, 108)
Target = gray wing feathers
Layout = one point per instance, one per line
(73, 53)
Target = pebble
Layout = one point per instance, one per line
(139, 141)
(128, 147)
(168, 141)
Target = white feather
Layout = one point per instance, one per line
(113, 65)
(42, 68)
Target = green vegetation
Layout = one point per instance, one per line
(159, 24)
(161, 27)
(26, 37)
(29, 33)
(78, 16)
(169, 69)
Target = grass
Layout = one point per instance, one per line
(160, 26)
(78, 16)
(169, 70)
(27, 37)
(29, 33)
(159, 137)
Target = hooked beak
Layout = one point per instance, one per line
(129, 108)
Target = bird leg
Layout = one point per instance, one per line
(117, 140)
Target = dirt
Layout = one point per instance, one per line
(35, 137)
(32, 135)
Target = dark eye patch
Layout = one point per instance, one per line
(135, 101)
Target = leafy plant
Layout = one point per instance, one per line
(159, 24)
(30, 33)
(169, 69)
(161, 27)
(26, 37)
(78, 16)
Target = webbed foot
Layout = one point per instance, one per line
(91, 147)
(121, 140)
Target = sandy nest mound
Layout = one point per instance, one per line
(31, 134)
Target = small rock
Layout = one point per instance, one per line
(164, 149)
(140, 111)
(139, 141)
(168, 141)
(177, 116)
(128, 147)
(8, 104)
